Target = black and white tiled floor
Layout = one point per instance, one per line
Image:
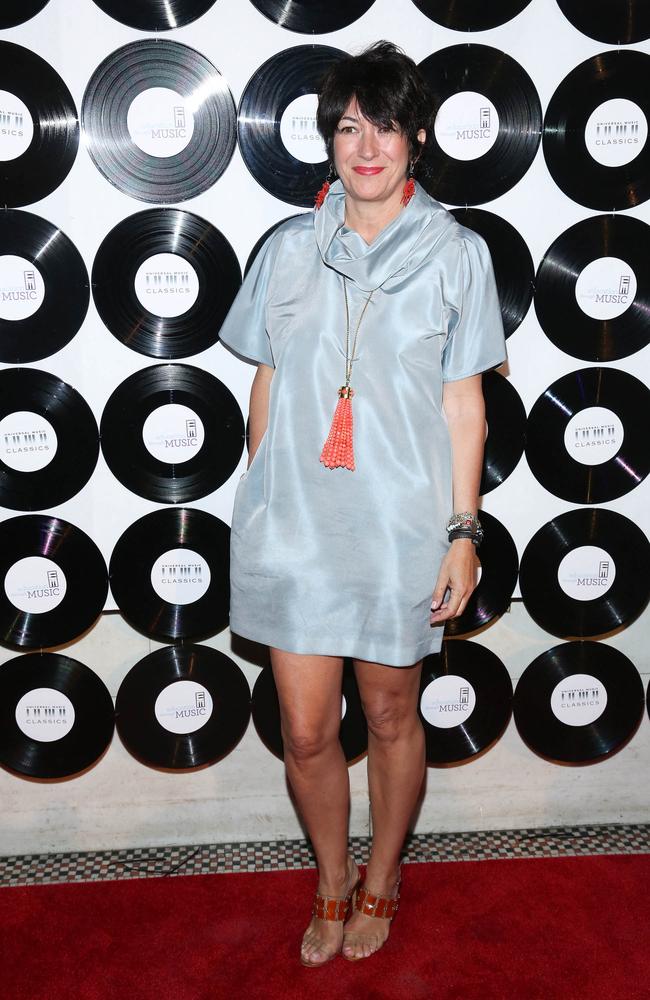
(141, 862)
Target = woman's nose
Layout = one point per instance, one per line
(368, 144)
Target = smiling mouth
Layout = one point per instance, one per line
(368, 170)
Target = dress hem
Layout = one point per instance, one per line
(346, 648)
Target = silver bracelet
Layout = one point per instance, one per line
(466, 521)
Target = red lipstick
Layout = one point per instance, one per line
(367, 171)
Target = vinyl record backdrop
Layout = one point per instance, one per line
(166, 144)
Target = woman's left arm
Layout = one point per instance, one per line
(464, 408)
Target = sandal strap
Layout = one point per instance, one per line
(376, 906)
(331, 907)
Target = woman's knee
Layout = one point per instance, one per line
(304, 742)
(390, 721)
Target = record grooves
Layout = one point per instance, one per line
(72, 723)
(514, 270)
(18, 11)
(353, 731)
(133, 287)
(169, 574)
(35, 164)
(581, 124)
(276, 127)
(506, 421)
(617, 22)
(53, 581)
(597, 689)
(598, 266)
(587, 439)
(155, 15)
(70, 455)
(586, 573)
(159, 121)
(170, 725)
(307, 16)
(458, 72)
(172, 433)
(464, 701)
(44, 288)
(471, 15)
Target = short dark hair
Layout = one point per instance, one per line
(389, 88)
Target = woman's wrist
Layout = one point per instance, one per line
(465, 526)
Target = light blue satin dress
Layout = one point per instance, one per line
(342, 562)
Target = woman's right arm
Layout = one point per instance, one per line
(258, 409)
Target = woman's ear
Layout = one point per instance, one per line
(422, 136)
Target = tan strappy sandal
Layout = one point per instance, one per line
(372, 905)
(331, 908)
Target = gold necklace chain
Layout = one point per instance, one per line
(349, 359)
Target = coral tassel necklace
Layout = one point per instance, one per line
(338, 451)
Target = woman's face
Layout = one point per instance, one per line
(371, 161)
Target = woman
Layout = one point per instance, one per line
(342, 547)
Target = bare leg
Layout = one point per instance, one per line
(396, 768)
(309, 690)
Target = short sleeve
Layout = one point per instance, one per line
(475, 338)
(244, 328)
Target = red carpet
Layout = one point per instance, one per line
(523, 929)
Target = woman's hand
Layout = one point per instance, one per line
(458, 573)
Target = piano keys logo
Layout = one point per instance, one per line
(45, 714)
(586, 573)
(299, 132)
(447, 701)
(16, 126)
(167, 285)
(579, 699)
(616, 132)
(180, 576)
(160, 122)
(28, 442)
(594, 435)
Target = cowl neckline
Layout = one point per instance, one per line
(400, 246)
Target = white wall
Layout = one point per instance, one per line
(119, 802)
(122, 803)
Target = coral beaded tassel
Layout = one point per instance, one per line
(338, 451)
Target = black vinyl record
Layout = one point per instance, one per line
(163, 282)
(159, 121)
(263, 238)
(587, 439)
(155, 15)
(578, 702)
(56, 715)
(15, 12)
(592, 294)
(617, 22)
(49, 440)
(169, 574)
(506, 421)
(471, 15)
(41, 136)
(309, 17)
(465, 701)
(353, 733)
(595, 131)
(514, 270)
(182, 707)
(44, 288)
(172, 433)
(487, 124)
(499, 564)
(276, 127)
(53, 581)
(586, 573)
